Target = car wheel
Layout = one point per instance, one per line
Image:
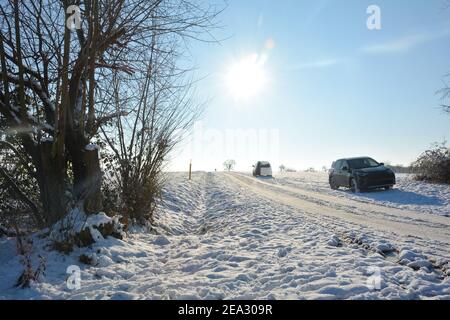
(333, 184)
(354, 186)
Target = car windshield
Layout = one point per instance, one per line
(362, 163)
(265, 164)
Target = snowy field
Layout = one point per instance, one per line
(228, 236)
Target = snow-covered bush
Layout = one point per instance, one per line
(79, 229)
(433, 165)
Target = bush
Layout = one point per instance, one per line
(139, 198)
(29, 274)
(18, 189)
(433, 165)
(132, 191)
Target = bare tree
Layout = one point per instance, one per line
(229, 165)
(445, 94)
(60, 86)
(153, 113)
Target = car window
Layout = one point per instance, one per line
(363, 163)
(265, 165)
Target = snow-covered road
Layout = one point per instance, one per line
(224, 236)
(370, 215)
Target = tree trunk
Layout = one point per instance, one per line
(93, 179)
(87, 175)
(52, 184)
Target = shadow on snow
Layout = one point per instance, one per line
(399, 197)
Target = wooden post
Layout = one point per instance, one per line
(190, 170)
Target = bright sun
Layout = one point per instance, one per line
(247, 77)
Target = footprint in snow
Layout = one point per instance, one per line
(161, 241)
(334, 242)
(243, 278)
(283, 252)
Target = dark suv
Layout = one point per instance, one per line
(360, 174)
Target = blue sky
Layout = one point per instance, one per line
(334, 88)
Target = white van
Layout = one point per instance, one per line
(262, 169)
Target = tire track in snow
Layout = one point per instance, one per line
(346, 238)
(436, 231)
(400, 215)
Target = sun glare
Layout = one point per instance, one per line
(247, 77)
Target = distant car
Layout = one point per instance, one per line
(360, 174)
(262, 169)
